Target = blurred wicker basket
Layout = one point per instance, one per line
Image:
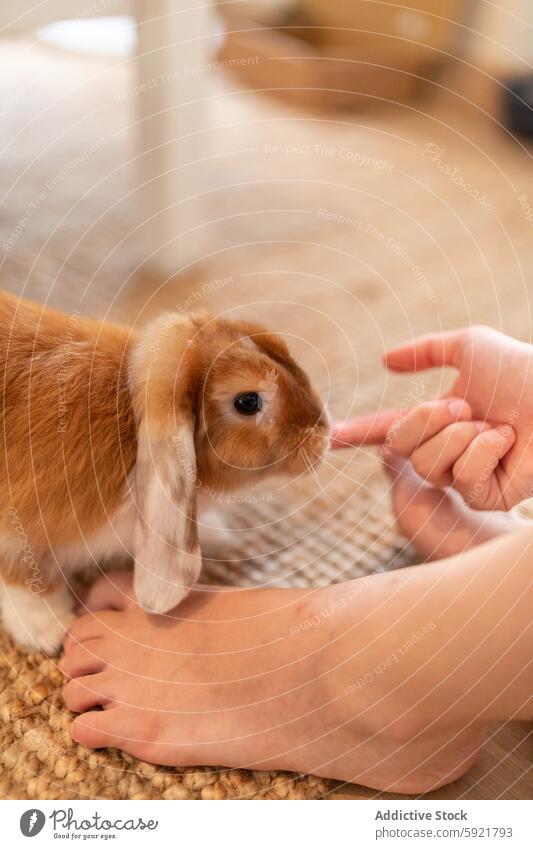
(342, 54)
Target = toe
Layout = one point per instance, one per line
(112, 592)
(83, 628)
(83, 659)
(90, 627)
(134, 732)
(97, 729)
(81, 694)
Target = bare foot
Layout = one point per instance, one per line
(37, 621)
(275, 679)
(214, 681)
(437, 522)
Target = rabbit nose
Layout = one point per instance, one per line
(325, 420)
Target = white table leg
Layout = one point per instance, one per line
(175, 41)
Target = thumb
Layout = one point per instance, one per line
(436, 349)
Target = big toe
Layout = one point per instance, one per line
(126, 729)
(98, 729)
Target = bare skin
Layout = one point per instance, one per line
(476, 437)
(387, 681)
(437, 522)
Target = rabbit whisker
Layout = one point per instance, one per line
(312, 471)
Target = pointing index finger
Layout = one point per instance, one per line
(371, 429)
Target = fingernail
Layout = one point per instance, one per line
(481, 426)
(456, 408)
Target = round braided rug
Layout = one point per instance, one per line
(307, 544)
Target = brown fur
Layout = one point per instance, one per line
(64, 473)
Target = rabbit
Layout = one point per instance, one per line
(108, 434)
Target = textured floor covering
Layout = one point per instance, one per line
(358, 231)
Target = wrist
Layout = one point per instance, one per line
(482, 605)
(443, 645)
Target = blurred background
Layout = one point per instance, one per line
(348, 172)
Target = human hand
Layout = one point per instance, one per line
(481, 444)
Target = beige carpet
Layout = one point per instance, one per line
(348, 232)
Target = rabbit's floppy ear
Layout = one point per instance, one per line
(167, 553)
(166, 549)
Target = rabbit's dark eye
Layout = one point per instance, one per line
(248, 403)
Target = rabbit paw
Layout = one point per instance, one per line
(36, 622)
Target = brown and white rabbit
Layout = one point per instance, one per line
(107, 436)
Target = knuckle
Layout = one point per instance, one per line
(428, 410)
(417, 423)
(439, 417)
(482, 328)
(478, 331)
(468, 430)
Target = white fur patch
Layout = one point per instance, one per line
(156, 587)
(213, 532)
(36, 621)
(167, 561)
